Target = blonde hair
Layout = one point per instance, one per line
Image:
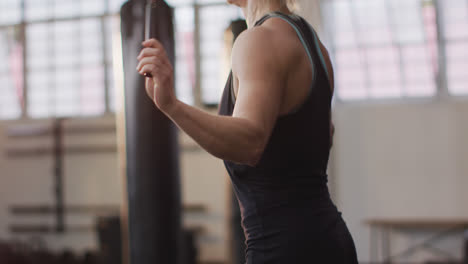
(291, 4)
(257, 4)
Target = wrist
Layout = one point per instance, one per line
(171, 109)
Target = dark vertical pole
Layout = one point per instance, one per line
(153, 185)
(22, 38)
(58, 175)
(442, 80)
(197, 91)
(465, 252)
(105, 59)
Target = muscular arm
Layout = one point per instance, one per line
(242, 137)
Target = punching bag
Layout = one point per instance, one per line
(152, 167)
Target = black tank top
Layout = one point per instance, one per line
(289, 183)
(300, 141)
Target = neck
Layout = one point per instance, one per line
(253, 13)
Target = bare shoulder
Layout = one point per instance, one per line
(255, 40)
(262, 44)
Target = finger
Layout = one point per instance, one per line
(148, 60)
(157, 71)
(147, 52)
(148, 68)
(152, 43)
(159, 52)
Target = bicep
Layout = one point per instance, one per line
(259, 100)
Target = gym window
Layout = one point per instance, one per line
(390, 48)
(58, 55)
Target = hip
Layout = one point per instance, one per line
(325, 240)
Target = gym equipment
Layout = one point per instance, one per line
(152, 167)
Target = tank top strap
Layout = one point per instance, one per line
(319, 50)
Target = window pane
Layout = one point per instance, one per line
(455, 23)
(455, 17)
(407, 20)
(342, 19)
(92, 90)
(419, 73)
(9, 100)
(11, 74)
(65, 8)
(421, 89)
(65, 92)
(354, 80)
(64, 45)
(92, 7)
(40, 102)
(371, 21)
(90, 42)
(115, 5)
(38, 9)
(383, 67)
(39, 48)
(10, 12)
(458, 87)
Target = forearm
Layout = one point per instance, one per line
(228, 138)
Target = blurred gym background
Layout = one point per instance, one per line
(398, 170)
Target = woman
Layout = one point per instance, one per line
(273, 134)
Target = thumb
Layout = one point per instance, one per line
(149, 87)
(149, 82)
